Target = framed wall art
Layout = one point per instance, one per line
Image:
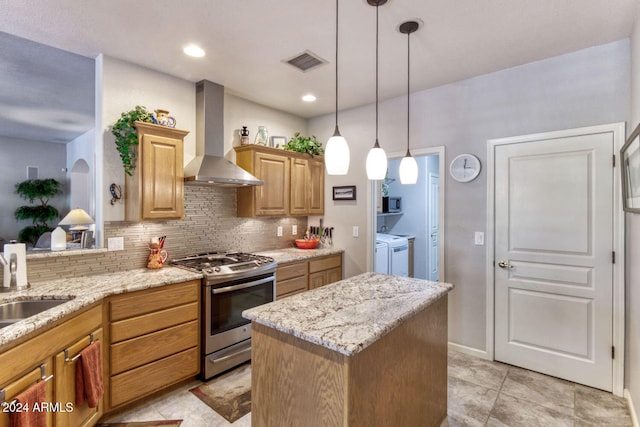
(345, 192)
(630, 167)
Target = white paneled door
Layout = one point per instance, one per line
(553, 256)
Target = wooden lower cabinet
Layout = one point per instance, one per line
(21, 367)
(65, 383)
(298, 276)
(291, 278)
(20, 384)
(153, 340)
(325, 270)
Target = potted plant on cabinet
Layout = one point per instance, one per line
(127, 136)
(304, 144)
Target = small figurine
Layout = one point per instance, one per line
(244, 135)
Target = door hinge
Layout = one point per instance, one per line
(613, 352)
(614, 160)
(613, 257)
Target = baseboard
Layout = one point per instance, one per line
(632, 409)
(469, 350)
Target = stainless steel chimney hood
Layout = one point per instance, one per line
(214, 169)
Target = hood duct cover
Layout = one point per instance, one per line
(214, 168)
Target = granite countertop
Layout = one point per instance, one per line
(83, 292)
(86, 290)
(295, 254)
(349, 315)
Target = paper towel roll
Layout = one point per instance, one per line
(21, 255)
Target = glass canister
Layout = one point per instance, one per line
(262, 136)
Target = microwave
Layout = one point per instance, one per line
(391, 204)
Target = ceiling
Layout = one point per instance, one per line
(246, 42)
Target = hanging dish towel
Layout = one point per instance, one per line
(33, 396)
(89, 385)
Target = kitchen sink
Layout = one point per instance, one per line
(12, 312)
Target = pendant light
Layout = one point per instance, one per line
(336, 155)
(377, 158)
(408, 165)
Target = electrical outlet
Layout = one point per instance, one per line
(294, 230)
(115, 243)
(356, 231)
(479, 238)
(279, 231)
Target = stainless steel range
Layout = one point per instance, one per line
(232, 283)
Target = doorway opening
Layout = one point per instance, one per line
(416, 214)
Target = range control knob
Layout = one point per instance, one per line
(217, 269)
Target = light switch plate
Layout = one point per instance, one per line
(479, 238)
(356, 231)
(279, 231)
(294, 230)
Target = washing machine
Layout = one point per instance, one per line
(382, 258)
(398, 253)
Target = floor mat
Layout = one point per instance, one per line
(229, 394)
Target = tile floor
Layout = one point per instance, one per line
(480, 393)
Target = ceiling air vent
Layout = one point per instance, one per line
(306, 61)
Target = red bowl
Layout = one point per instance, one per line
(307, 244)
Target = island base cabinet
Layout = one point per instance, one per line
(400, 380)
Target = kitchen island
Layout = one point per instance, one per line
(368, 350)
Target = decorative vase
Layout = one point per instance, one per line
(262, 136)
(244, 135)
(163, 118)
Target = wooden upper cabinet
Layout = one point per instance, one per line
(156, 189)
(293, 183)
(316, 187)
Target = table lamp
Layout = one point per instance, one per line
(78, 219)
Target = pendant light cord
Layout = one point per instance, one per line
(336, 131)
(408, 89)
(377, 7)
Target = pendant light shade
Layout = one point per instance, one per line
(408, 166)
(377, 158)
(376, 162)
(336, 155)
(408, 170)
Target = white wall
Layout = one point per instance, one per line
(16, 155)
(632, 291)
(240, 112)
(582, 88)
(124, 86)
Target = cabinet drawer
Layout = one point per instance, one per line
(291, 285)
(136, 304)
(289, 270)
(326, 263)
(148, 348)
(151, 322)
(149, 378)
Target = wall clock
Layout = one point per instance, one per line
(465, 168)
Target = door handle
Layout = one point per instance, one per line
(505, 264)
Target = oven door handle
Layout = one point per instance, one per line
(242, 285)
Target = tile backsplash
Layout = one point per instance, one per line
(209, 224)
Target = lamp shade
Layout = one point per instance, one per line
(376, 163)
(408, 170)
(76, 217)
(336, 156)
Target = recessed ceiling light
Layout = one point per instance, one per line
(309, 98)
(193, 50)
